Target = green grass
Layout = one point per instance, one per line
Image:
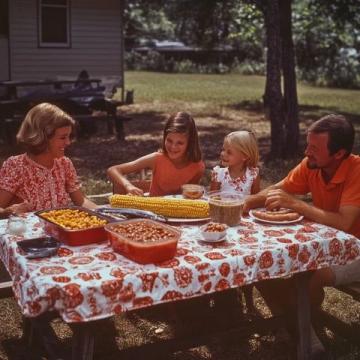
(216, 90)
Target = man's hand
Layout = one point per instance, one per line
(252, 202)
(278, 198)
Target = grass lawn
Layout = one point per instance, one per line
(219, 104)
(230, 89)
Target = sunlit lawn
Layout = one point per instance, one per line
(217, 90)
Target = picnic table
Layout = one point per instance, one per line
(80, 98)
(88, 283)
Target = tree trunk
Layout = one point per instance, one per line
(273, 97)
(289, 79)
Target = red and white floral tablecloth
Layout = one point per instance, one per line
(92, 282)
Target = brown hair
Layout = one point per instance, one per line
(244, 141)
(183, 123)
(341, 132)
(39, 127)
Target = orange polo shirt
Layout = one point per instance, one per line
(167, 179)
(343, 189)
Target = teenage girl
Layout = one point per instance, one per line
(178, 162)
(239, 158)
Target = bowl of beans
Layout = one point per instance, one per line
(143, 240)
(213, 231)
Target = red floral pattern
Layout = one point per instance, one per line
(24, 177)
(93, 282)
(241, 185)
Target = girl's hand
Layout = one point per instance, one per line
(133, 190)
(215, 186)
(214, 183)
(213, 177)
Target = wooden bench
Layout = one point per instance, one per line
(116, 121)
(10, 125)
(350, 330)
(352, 289)
(6, 289)
(80, 98)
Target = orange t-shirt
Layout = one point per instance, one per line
(343, 189)
(167, 179)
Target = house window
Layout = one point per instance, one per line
(54, 23)
(4, 19)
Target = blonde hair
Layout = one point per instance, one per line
(39, 127)
(244, 141)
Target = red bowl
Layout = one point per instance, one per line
(74, 237)
(138, 247)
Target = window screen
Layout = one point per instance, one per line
(54, 23)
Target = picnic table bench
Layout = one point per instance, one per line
(80, 98)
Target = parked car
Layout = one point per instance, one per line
(145, 45)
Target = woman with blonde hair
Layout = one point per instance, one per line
(42, 177)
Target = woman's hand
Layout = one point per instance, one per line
(17, 209)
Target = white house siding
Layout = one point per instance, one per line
(95, 34)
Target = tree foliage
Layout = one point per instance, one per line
(327, 39)
(326, 33)
(326, 36)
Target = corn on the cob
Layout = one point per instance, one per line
(179, 208)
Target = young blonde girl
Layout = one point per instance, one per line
(178, 162)
(239, 158)
(240, 173)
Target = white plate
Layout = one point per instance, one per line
(274, 222)
(179, 196)
(187, 220)
(213, 241)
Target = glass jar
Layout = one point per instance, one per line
(226, 207)
(16, 225)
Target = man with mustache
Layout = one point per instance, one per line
(331, 173)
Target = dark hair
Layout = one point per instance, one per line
(183, 123)
(341, 132)
(39, 127)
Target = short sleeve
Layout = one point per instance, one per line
(253, 173)
(351, 190)
(219, 173)
(10, 176)
(297, 180)
(72, 180)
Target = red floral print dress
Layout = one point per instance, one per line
(40, 187)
